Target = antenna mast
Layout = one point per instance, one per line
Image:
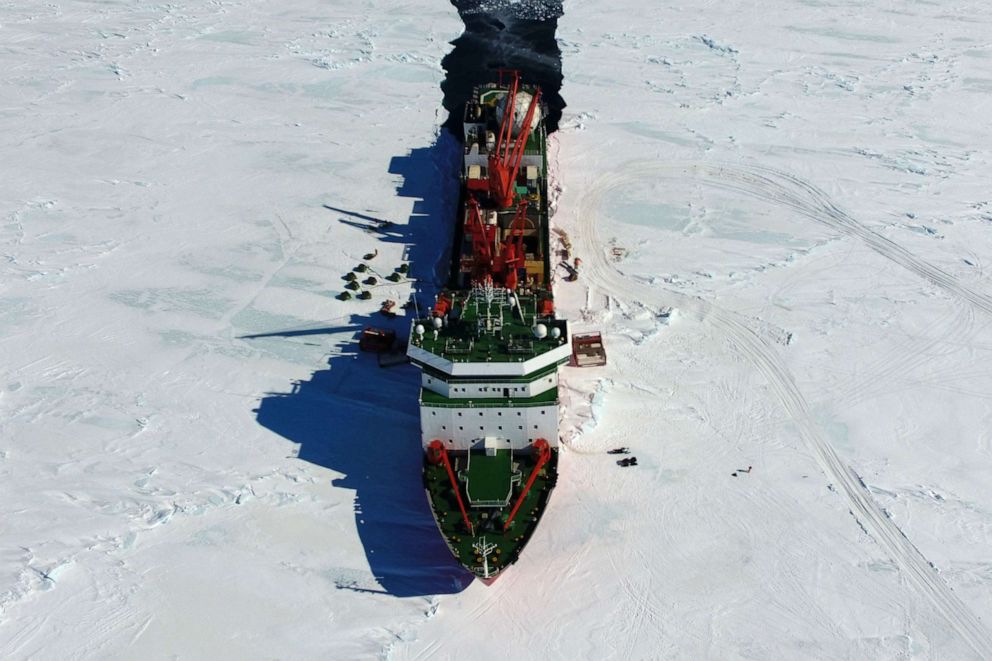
(484, 549)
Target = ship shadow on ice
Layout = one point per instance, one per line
(362, 421)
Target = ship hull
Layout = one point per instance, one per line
(491, 345)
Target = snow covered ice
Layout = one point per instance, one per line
(784, 217)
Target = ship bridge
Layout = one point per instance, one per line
(489, 332)
(490, 360)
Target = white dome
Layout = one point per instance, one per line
(540, 331)
(437, 321)
(522, 103)
(556, 332)
(419, 329)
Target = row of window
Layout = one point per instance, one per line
(519, 413)
(451, 441)
(486, 389)
(495, 389)
(481, 428)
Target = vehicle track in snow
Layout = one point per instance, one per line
(940, 337)
(789, 191)
(784, 189)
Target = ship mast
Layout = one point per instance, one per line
(484, 549)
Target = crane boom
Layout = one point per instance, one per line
(505, 159)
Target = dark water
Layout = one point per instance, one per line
(503, 35)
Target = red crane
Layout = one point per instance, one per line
(483, 241)
(512, 255)
(504, 161)
(543, 452)
(490, 259)
(436, 454)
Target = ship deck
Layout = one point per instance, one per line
(488, 521)
(489, 478)
(460, 340)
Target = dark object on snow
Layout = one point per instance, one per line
(365, 295)
(371, 255)
(344, 296)
(573, 273)
(394, 277)
(627, 461)
(361, 268)
(376, 339)
(353, 286)
(588, 350)
(371, 281)
(403, 268)
(350, 277)
(623, 450)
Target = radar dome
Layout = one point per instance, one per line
(540, 331)
(437, 321)
(556, 332)
(419, 329)
(522, 103)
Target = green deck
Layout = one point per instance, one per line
(488, 521)
(461, 342)
(489, 478)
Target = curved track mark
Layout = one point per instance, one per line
(812, 203)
